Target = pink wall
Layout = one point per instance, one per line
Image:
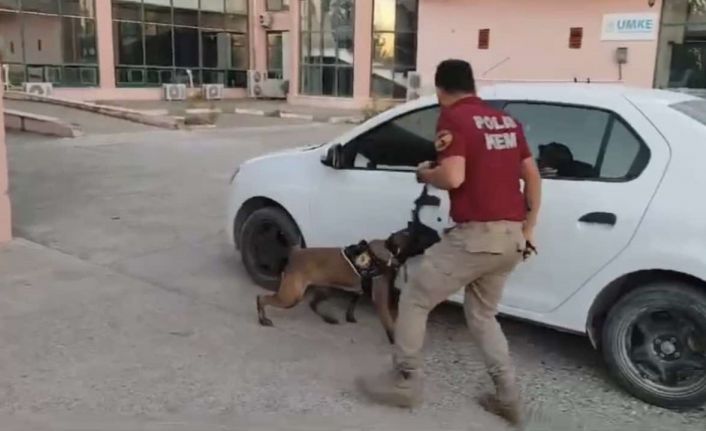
(363, 50)
(104, 30)
(295, 43)
(5, 223)
(531, 37)
(258, 34)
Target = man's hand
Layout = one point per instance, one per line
(423, 171)
(446, 175)
(530, 248)
(533, 198)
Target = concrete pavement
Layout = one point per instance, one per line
(253, 106)
(89, 122)
(122, 308)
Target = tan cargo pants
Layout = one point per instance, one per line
(479, 256)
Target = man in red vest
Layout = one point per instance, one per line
(482, 158)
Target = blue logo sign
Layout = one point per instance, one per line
(637, 26)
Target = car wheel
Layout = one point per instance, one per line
(654, 343)
(267, 236)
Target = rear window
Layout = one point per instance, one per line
(695, 109)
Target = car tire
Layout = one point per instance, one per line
(655, 337)
(267, 236)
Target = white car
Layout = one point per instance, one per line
(621, 236)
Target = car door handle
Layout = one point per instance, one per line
(599, 218)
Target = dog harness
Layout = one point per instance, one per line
(417, 238)
(363, 260)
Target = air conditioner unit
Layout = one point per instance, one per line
(273, 89)
(259, 86)
(212, 91)
(38, 88)
(414, 85)
(265, 20)
(255, 83)
(174, 92)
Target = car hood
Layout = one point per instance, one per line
(303, 151)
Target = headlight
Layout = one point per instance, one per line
(232, 177)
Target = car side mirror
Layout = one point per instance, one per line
(333, 157)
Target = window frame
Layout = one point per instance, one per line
(285, 6)
(229, 74)
(268, 47)
(379, 126)
(395, 66)
(309, 28)
(495, 103)
(55, 72)
(607, 133)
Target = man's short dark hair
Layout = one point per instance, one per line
(455, 76)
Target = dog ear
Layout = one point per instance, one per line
(379, 249)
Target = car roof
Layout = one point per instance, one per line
(568, 92)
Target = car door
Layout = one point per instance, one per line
(599, 176)
(373, 194)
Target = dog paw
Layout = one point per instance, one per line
(330, 320)
(390, 337)
(264, 321)
(351, 319)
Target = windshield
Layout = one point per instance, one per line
(695, 109)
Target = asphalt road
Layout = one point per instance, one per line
(125, 310)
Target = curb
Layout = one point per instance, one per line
(50, 126)
(197, 111)
(199, 126)
(345, 120)
(110, 111)
(296, 116)
(258, 112)
(155, 112)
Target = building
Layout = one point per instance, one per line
(346, 52)
(341, 53)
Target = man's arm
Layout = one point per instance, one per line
(450, 171)
(448, 175)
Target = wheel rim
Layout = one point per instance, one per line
(666, 349)
(270, 249)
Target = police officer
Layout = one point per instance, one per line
(482, 156)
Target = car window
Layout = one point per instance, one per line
(624, 155)
(576, 142)
(422, 123)
(401, 143)
(695, 109)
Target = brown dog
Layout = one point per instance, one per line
(333, 268)
(328, 268)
